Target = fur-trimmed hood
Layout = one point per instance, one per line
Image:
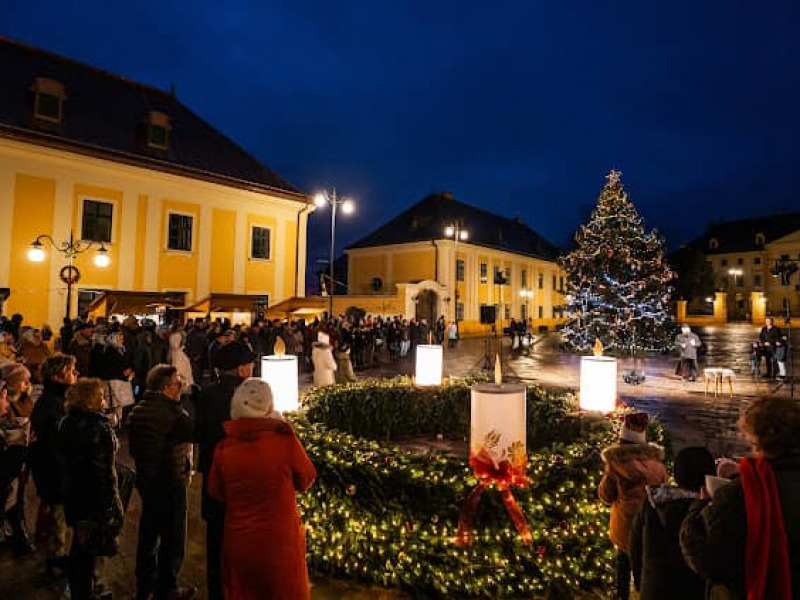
(623, 453)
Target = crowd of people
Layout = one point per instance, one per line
(726, 529)
(186, 400)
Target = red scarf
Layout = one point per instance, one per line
(767, 569)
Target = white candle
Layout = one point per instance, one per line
(281, 373)
(598, 383)
(429, 365)
(497, 424)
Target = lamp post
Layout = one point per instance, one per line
(69, 249)
(331, 199)
(784, 268)
(736, 274)
(457, 232)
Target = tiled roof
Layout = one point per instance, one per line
(740, 236)
(104, 115)
(429, 217)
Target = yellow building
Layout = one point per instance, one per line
(444, 257)
(743, 254)
(184, 213)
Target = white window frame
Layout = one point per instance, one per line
(114, 212)
(250, 243)
(181, 213)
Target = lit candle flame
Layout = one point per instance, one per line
(498, 371)
(280, 347)
(598, 347)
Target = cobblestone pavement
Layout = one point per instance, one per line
(691, 416)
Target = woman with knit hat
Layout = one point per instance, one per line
(630, 466)
(256, 471)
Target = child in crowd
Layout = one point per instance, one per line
(755, 357)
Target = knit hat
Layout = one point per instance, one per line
(233, 355)
(253, 400)
(634, 427)
(691, 467)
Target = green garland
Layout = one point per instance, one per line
(382, 515)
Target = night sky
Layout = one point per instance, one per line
(517, 107)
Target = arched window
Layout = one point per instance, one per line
(760, 239)
(713, 244)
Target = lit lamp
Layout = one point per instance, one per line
(280, 372)
(598, 381)
(429, 365)
(497, 451)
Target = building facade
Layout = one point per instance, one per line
(181, 211)
(743, 256)
(444, 257)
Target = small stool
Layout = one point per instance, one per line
(718, 375)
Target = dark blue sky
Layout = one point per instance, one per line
(517, 107)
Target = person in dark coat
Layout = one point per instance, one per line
(13, 450)
(746, 539)
(212, 409)
(659, 570)
(769, 337)
(159, 434)
(59, 373)
(91, 499)
(80, 346)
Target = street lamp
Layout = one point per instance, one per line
(69, 249)
(322, 199)
(457, 232)
(736, 273)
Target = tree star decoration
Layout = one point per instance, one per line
(613, 177)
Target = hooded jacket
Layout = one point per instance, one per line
(659, 570)
(629, 469)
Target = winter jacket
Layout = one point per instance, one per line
(714, 534)
(44, 455)
(629, 469)
(88, 445)
(345, 373)
(659, 570)
(324, 364)
(159, 433)
(80, 347)
(179, 360)
(256, 471)
(687, 344)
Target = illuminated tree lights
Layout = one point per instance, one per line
(383, 515)
(618, 281)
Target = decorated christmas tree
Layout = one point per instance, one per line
(618, 281)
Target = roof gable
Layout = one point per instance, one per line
(427, 219)
(105, 112)
(746, 235)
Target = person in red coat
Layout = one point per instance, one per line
(256, 471)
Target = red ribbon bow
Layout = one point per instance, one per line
(503, 475)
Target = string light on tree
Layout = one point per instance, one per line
(618, 282)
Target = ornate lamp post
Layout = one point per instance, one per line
(69, 249)
(457, 232)
(334, 201)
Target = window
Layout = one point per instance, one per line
(523, 279)
(553, 311)
(554, 282)
(523, 312)
(180, 232)
(96, 221)
(541, 283)
(760, 239)
(49, 98)
(484, 272)
(713, 244)
(259, 243)
(561, 284)
(541, 312)
(459, 269)
(459, 311)
(739, 261)
(757, 260)
(757, 280)
(507, 312)
(724, 262)
(157, 128)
